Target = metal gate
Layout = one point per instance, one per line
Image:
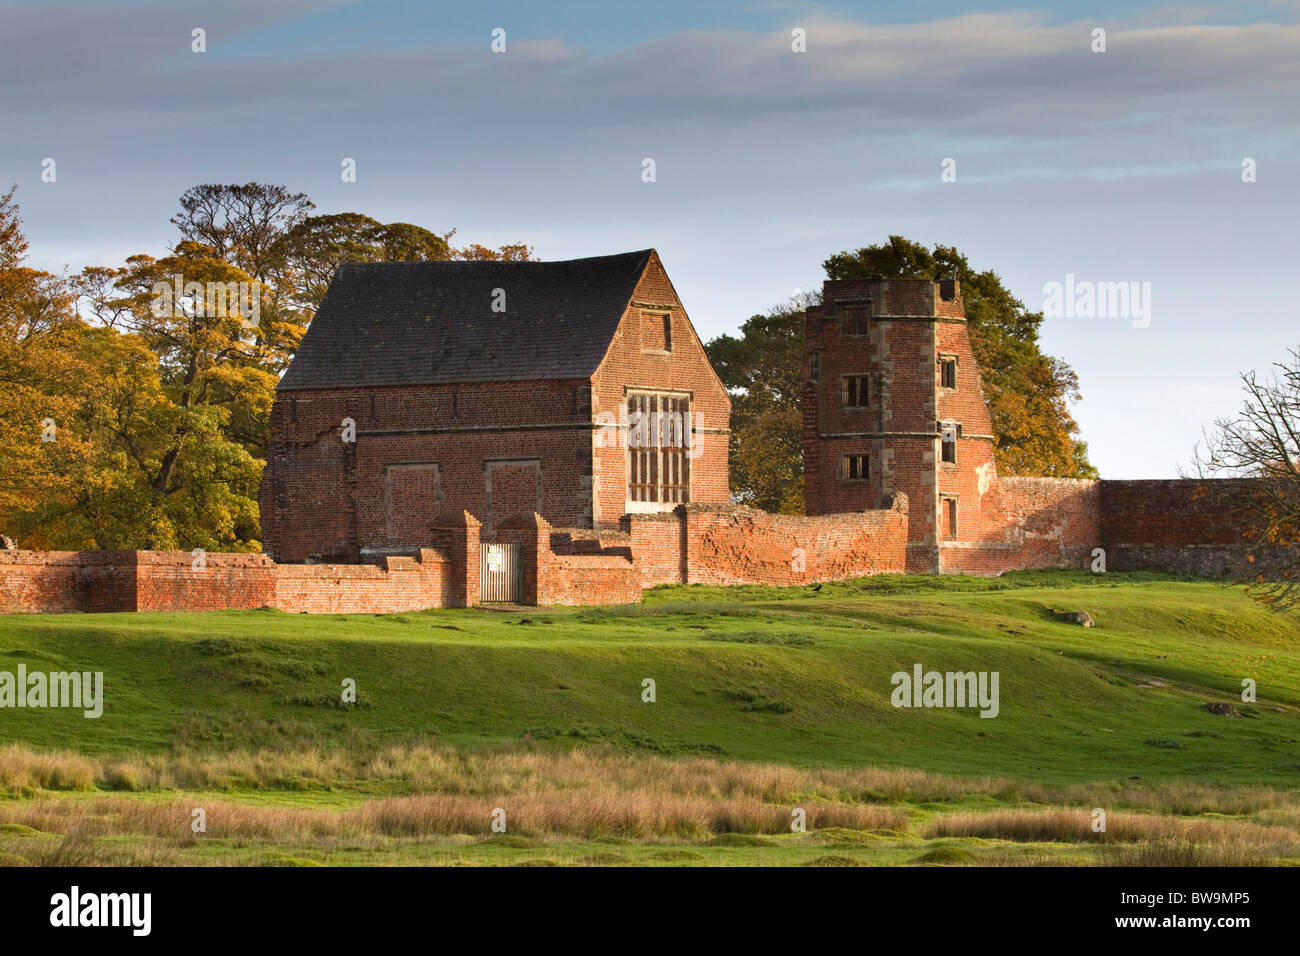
(501, 573)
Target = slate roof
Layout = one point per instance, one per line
(427, 323)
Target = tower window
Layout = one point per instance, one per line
(856, 322)
(948, 373)
(855, 468)
(855, 391)
(949, 432)
(815, 365)
(950, 517)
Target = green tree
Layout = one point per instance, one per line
(309, 254)
(241, 224)
(1028, 393)
(762, 368)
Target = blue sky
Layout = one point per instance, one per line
(1115, 166)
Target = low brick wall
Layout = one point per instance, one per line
(57, 581)
(68, 581)
(658, 546)
(168, 581)
(1186, 527)
(64, 581)
(588, 579)
(396, 584)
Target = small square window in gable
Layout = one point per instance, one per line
(656, 332)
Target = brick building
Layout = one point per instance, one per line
(893, 403)
(553, 433)
(577, 391)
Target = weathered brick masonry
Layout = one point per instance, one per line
(727, 544)
(1179, 526)
(893, 402)
(455, 407)
(581, 429)
(133, 581)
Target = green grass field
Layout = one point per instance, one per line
(244, 708)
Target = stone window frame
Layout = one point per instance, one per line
(950, 505)
(844, 391)
(948, 447)
(860, 315)
(948, 360)
(676, 492)
(845, 469)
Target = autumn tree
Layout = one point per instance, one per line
(1261, 444)
(41, 375)
(153, 380)
(102, 443)
(1028, 393)
(510, 252)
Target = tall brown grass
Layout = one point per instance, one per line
(559, 814)
(1076, 826)
(429, 792)
(423, 768)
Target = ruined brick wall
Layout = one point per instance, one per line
(637, 361)
(1014, 524)
(729, 544)
(571, 566)
(1180, 526)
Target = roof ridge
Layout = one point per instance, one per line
(496, 262)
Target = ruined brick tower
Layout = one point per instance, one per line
(892, 403)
